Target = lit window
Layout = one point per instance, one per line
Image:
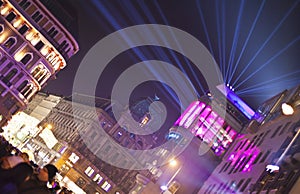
(89, 171)
(74, 158)
(97, 178)
(106, 186)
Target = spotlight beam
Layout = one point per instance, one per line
(204, 27)
(267, 40)
(223, 39)
(271, 86)
(176, 58)
(269, 60)
(235, 40)
(247, 39)
(218, 34)
(271, 81)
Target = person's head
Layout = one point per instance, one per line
(47, 173)
(20, 173)
(25, 156)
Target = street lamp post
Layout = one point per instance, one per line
(172, 164)
(288, 147)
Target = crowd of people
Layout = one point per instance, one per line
(19, 175)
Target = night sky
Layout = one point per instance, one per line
(255, 44)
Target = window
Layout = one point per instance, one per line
(227, 166)
(23, 29)
(1, 28)
(98, 179)
(276, 131)
(80, 182)
(9, 76)
(10, 17)
(10, 42)
(223, 167)
(2, 89)
(26, 58)
(39, 45)
(27, 90)
(284, 127)
(265, 156)
(37, 16)
(245, 185)
(89, 171)
(14, 110)
(106, 186)
(239, 184)
(52, 32)
(8, 103)
(257, 158)
(24, 4)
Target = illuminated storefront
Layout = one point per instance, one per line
(206, 124)
(20, 128)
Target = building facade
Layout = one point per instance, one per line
(34, 46)
(74, 127)
(266, 160)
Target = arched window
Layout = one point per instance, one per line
(11, 74)
(27, 90)
(41, 79)
(10, 42)
(36, 71)
(22, 86)
(1, 28)
(26, 58)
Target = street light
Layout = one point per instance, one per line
(287, 109)
(174, 163)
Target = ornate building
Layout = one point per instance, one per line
(98, 141)
(34, 46)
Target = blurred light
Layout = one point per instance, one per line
(49, 126)
(164, 187)
(17, 23)
(19, 56)
(272, 168)
(173, 162)
(287, 109)
(4, 10)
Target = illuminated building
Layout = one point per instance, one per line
(71, 123)
(23, 125)
(34, 46)
(275, 142)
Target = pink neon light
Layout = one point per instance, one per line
(189, 111)
(185, 112)
(193, 116)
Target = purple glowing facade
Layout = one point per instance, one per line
(206, 124)
(236, 101)
(244, 155)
